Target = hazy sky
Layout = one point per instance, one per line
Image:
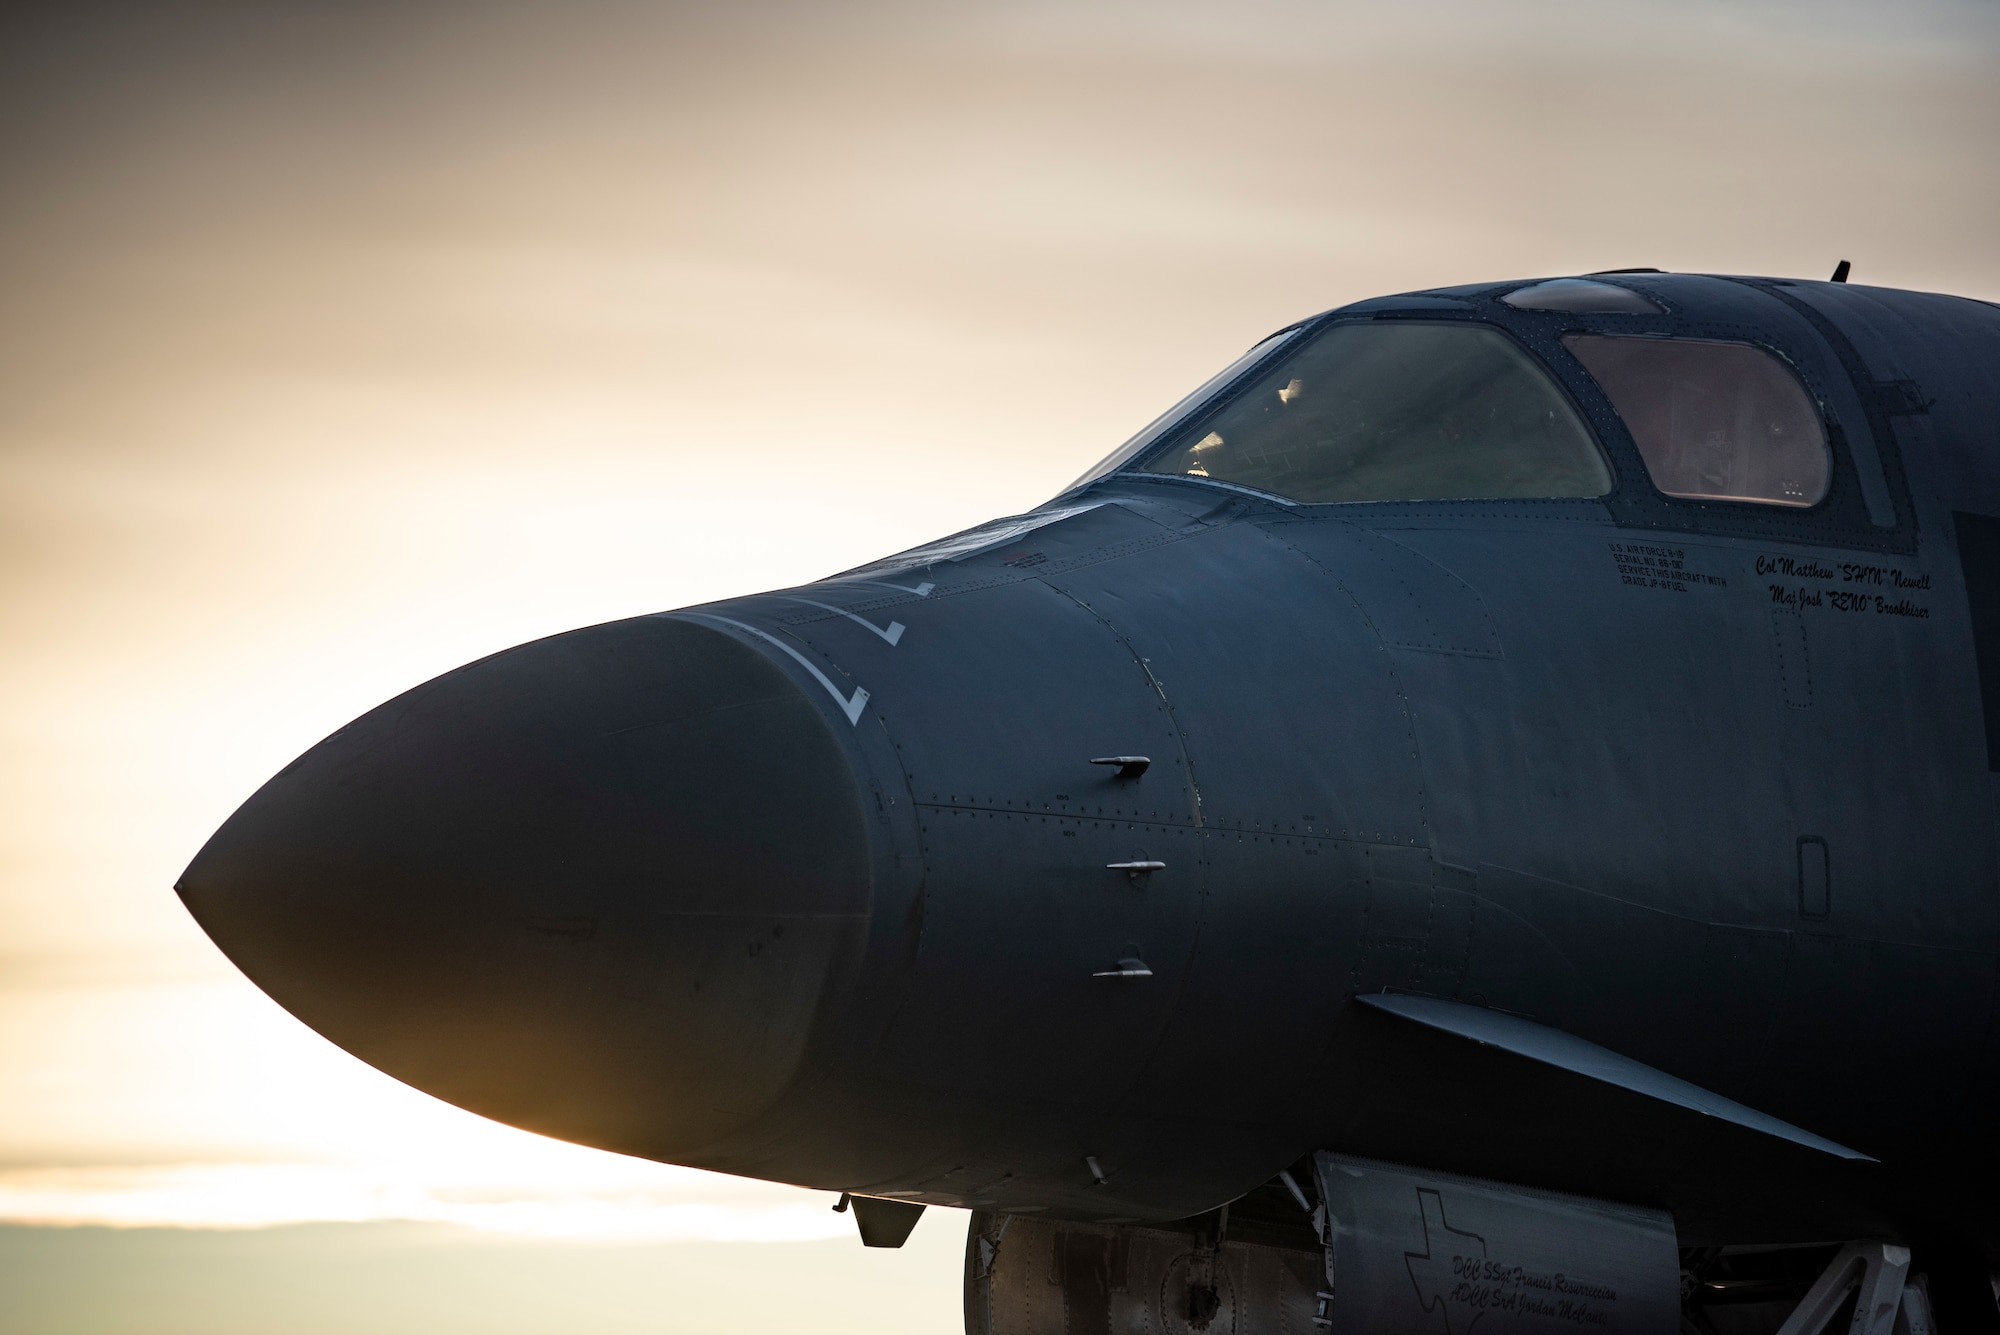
(342, 343)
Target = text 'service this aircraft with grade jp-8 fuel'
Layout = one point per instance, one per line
(1484, 814)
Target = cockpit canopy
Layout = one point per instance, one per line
(1436, 410)
(1396, 412)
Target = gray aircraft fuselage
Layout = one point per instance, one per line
(822, 885)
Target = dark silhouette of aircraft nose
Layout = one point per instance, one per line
(599, 886)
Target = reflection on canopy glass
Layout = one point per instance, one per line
(1714, 421)
(1167, 420)
(1396, 411)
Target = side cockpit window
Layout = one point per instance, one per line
(1395, 411)
(1713, 421)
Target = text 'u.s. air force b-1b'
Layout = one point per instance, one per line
(1482, 818)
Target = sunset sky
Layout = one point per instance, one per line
(343, 343)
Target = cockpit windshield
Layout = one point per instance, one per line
(1393, 411)
(1171, 418)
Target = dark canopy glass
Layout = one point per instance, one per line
(1394, 411)
(1714, 421)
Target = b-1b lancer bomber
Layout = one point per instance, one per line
(1481, 818)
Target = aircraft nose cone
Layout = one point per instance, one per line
(599, 886)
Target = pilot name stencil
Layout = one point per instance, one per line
(1844, 586)
(1847, 572)
(1648, 566)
